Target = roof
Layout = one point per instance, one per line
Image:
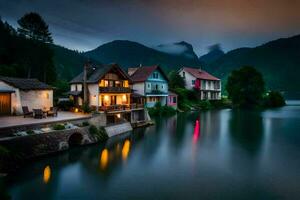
(96, 73)
(199, 73)
(74, 93)
(170, 93)
(143, 72)
(136, 95)
(26, 84)
(7, 91)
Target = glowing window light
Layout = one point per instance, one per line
(104, 159)
(76, 110)
(106, 98)
(125, 149)
(119, 115)
(124, 98)
(47, 174)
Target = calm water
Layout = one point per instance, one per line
(226, 155)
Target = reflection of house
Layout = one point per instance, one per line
(151, 83)
(208, 85)
(172, 100)
(18, 92)
(108, 91)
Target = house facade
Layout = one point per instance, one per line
(18, 92)
(209, 87)
(108, 90)
(151, 83)
(172, 100)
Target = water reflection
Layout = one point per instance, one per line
(47, 174)
(104, 159)
(196, 132)
(125, 150)
(246, 130)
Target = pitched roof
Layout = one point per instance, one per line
(170, 93)
(97, 72)
(26, 84)
(201, 74)
(143, 72)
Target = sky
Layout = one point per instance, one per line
(85, 24)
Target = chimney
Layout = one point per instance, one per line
(85, 88)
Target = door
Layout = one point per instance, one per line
(113, 100)
(5, 104)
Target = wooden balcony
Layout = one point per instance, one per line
(157, 92)
(114, 90)
(120, 108)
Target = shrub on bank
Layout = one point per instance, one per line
(99, 134)
(58, 127)
(159, 110)
(273, 99)
(86, 108)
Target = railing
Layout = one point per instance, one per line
(112, 108)
(114, 90)
(157, 92)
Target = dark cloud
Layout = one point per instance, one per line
(84, 24)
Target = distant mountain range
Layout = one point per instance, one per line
(278, 60)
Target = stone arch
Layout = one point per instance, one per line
(76, 139)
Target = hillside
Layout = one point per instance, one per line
(128, 54)
(68, 63)
(278, 60)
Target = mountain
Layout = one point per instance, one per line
(278, 61)
(180, 48)
(68, 63)
(214, 54)
(128, 54)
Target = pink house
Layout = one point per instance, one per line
(172, 100)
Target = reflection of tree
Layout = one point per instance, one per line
(246, 129)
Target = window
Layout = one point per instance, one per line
(183, 74)
(162, 86)
(149, 85)
(193, 82)
(125, 83)
(174, 99)
(155, 75)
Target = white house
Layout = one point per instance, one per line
(18, 92)
(208, 86)
(151, 83)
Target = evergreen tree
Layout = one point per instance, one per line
(34, 27)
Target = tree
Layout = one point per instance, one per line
(274, 99)
(34, 27)
(175, 80)
(245, 87)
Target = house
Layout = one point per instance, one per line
(18, 92)
(151, 83)
(108, 90)
(208, 86)
(172, 100)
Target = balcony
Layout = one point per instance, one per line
(156, 92)
(114, 90)
(121, 108)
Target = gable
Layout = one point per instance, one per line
(156, 75)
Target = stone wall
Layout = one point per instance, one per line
(40, 144)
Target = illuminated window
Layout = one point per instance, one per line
(125, 83)
(106, 83)
(102, 84)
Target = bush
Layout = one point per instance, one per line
(158, 110)
(99, 134)
(85, 124)
(30, 132)
(204, 105)
(65, 105)
(274, 99)
(58, 127)
(86, 108)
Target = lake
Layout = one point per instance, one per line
(219, 154)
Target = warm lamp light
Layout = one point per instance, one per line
(104, 159)
(119, 115)
(47, 174)
(106, 98)
(76, 110)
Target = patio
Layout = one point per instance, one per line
(13, 122)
